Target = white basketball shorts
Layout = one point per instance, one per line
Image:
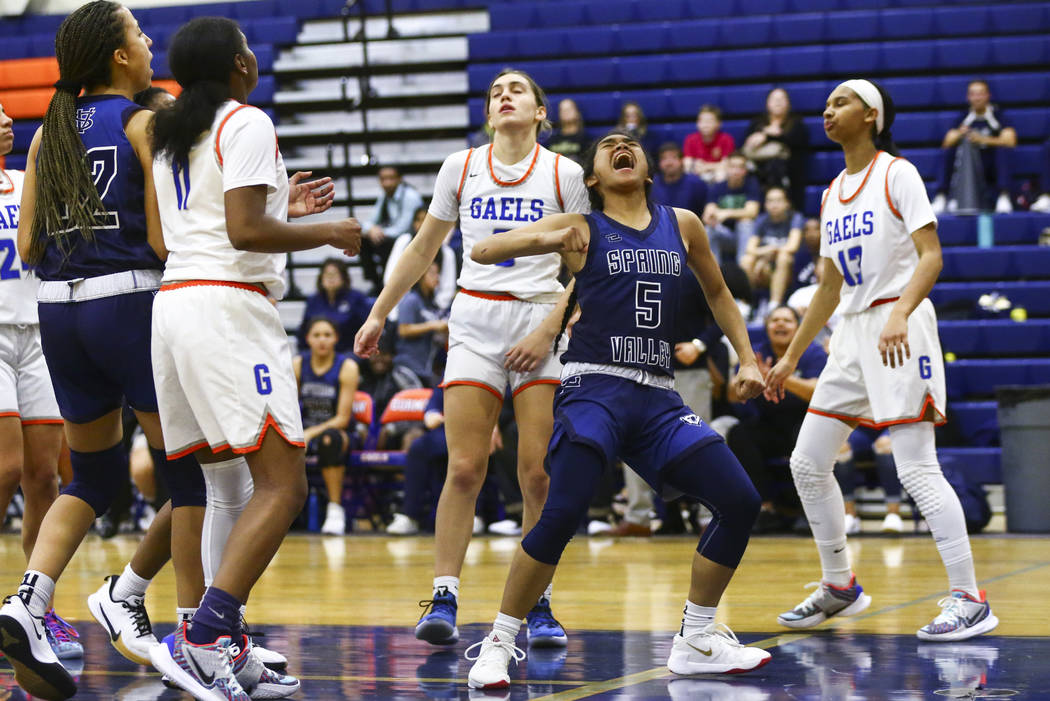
(25, 384)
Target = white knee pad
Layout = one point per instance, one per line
(229, 485)
(915, 453)
(813, 459)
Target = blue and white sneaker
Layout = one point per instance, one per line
(63, 637)
(543, 628)
(254, 677)
(961, 617)
(437, 625)
(825, 602)
(205, 671)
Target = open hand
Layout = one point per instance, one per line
(310, 197)
(893, 341)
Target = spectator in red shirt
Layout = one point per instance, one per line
(707, 149)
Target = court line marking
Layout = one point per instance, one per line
(327, 678)
(593, 689)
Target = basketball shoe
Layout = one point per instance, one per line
(491, 662)
(254, 677)
(205, 671)
(961, 617)
(24, 640)
(543, 628)
(126, 621)
(437, 625)
(714, 650)
(271, 658)
(63, 637)
(825, 602)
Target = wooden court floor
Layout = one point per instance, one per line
(343, 609)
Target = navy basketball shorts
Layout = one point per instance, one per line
(649, 428)
(98, 354)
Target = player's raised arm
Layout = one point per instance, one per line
(566, 234)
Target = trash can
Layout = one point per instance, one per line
(1024, 424)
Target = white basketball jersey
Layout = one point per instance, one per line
(17, 285)
(866, 221)
(240, 150)
(489, 197)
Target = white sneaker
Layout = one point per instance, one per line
(23, 640)
(1003, 205)
(259, 681)
(334, 520)
(271, 658)
(598, 527)
(714, 650)
(892, 524)
(493, 659)
(1042, 204)
(479, 526)
(827, 601)
(852, 524)
(507, 526)
(961, 617)
(402, 525)
(126, 621)
(939, 203)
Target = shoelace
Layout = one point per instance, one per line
(507, 646)
(542, 615)
(252, 634)
(431, 605)
(60, 630)
(951, 609)
(811, 600)
(723, 631)
(136, 607)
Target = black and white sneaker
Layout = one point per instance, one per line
(125, 620)
(24, 641)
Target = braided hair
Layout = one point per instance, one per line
(67, 199)
(202, 56)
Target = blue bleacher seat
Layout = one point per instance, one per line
(905, 23)
(590, 41)
(274, 30)
(564, 14)
(915, 128)
(853, 59)
(745, 31)
(980, 465)
(14, 47)
(906, 56)
(810, 97)
(755, 7)
(1008, 19)
(608, 12)
(641, 70)
(655, 105)
(962, 53)
(256, 9)
(512, 16)
(694, 35)
(1028, 160)
(855, 25)
(956, 231)
(1034, 296)
(910, 92)
(591, 72)
(744, 99)
(860, 4)
(1030, 123)
(995, 337)
(978, 422)
(979, 378)
(698, 70)
(174, 14)
(663, 10)
(802, 61)
(540, 44)
(15, 161)
(214, 9)
(599, 107)
(685, 103)
(959, 21)
(41, 45)
(1019, 51)
(630, 39)
(812, 5)
(264, 91)
(712, 8)
(490, 46)
(42, 24)
(750, 63)
(806, 28)
(24, 130)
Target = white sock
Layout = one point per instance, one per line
(450, 583)
(36, 591)
(695, 618)
(183, 615)
(506, 627)
(547, 592)
(129, 584)
(229, 488)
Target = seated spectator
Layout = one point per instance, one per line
(674, 187)
(633, 121)
(422, 328)
(382, 379)
(327, 384)
(336, 301)
(1042, 203)
(569, 138)
(869, 443)
(769, 432)
(770, 255)
(778, 144)
(732, 207)
(391, 217)
(808, 255)
(446, 288)
(707, 149)
(976, 167)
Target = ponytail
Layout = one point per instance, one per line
(177, 128)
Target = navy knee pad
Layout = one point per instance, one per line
(93, 476)
(330, 449)
(182, 477)
(575, 469)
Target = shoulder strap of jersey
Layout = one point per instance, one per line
(7, 183)
(827, 192)
(557, 183)
(889, 200)
(463, 175)
(218, 134)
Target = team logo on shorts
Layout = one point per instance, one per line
(691, 419)
(573, 381)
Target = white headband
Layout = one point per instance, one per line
(870, 95)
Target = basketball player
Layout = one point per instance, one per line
(221, 360)
(882, 256)
(89, 227)
(501, 327)
(327, 383)
(617, 400)
(30, 424)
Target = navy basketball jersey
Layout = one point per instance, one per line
(319, 394)
(119, 241)
(628, 294)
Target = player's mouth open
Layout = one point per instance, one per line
(623, 160)
(506, 108)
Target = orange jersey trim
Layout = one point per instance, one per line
(824, 199)
(492, 296)
(463, 176)
(557, 184)
(862, 184)
(222, 125)
(186, 451)
(889, 200)
(470, 383)
(519, 181)
(7, 185)
(880, 302)
(41, 422)
(211, 283)
(927, 403)
(525, 386)
(5, 414)
(239, 451)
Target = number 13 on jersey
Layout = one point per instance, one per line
(850, 262)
